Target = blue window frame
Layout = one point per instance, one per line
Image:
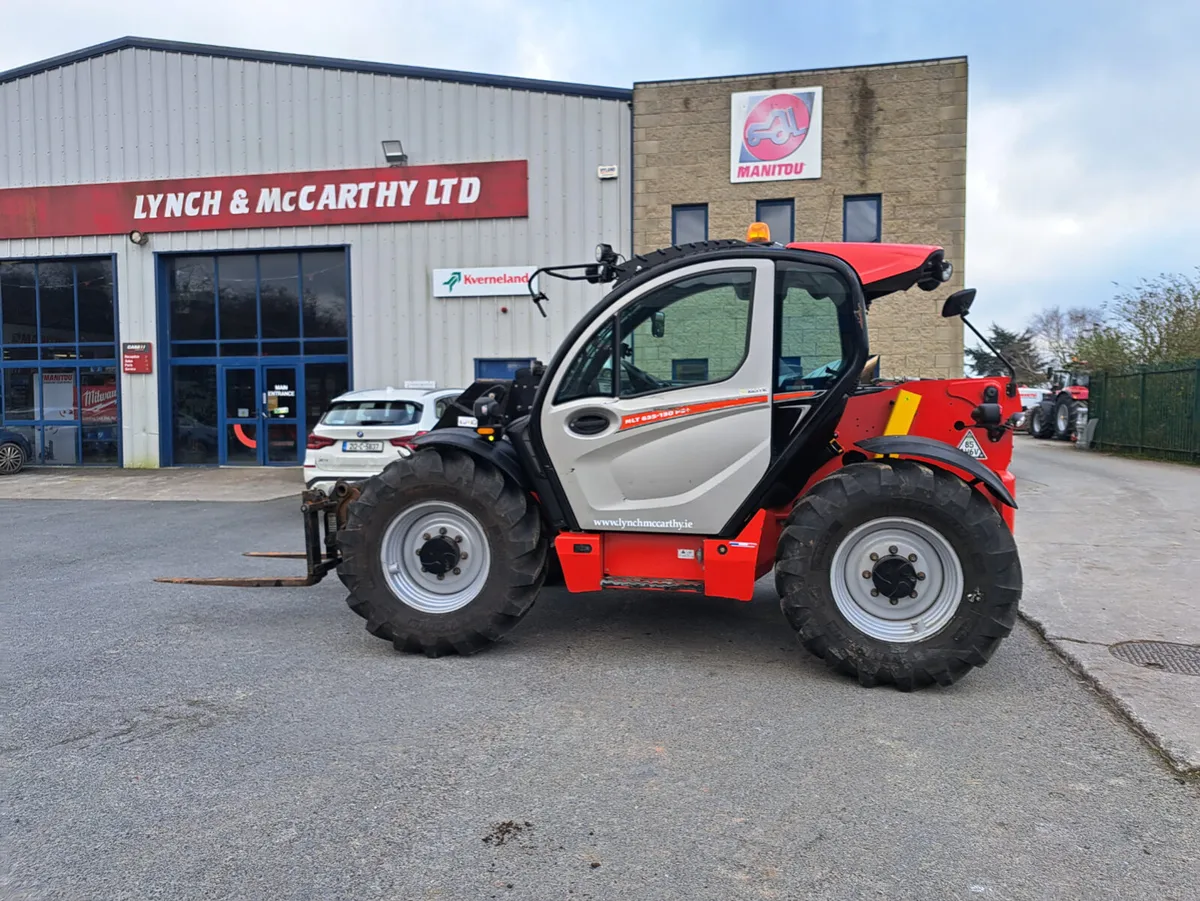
(780, 217)
(58, 358)
(234, 321)
(689, 223)
(862, 218)
(500, 367)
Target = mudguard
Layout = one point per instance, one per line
(500, 454)
(939, 452)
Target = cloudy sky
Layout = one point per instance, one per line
(1083, 167)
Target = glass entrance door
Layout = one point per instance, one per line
(281, 414)
(240, 430)
(262, 415)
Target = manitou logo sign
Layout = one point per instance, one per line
(288, 199)
(496, 281)
(775, 135)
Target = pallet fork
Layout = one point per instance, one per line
(322, 513)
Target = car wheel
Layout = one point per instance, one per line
(12, 458)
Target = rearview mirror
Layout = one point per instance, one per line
(658, 324)
(958, 303)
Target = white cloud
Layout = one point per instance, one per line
(1073, 188)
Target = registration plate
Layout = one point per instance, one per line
(362, 447)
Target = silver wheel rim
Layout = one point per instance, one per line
(1036, 422)
(910, 619)
(1063, 419)
(400, 550)
(10, 458)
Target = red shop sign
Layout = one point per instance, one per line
(340, 197)
(136, 359)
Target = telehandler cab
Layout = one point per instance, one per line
(714, 417)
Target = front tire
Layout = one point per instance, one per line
(932, 536)
(1040, 425)
(442, 553)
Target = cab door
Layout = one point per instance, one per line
(661, 418)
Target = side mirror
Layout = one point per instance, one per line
(658, 324)
(958, 303)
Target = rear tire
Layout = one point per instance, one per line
(405, 509)
(1064, 423)
(966, 559)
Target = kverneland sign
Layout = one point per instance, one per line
(340, 197)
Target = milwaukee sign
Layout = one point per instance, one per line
(341, 197)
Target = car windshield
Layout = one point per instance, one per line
(373, 412)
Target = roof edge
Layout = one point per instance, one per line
(708, 79)
(570, 89)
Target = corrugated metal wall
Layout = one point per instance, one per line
(141, 114)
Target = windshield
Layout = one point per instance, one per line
(373, 412)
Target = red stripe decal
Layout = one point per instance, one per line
(636, 419)
(796, 395)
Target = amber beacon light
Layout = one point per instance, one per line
(758, 233)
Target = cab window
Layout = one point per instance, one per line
(590, 373)
(695, 331)
(815, 321)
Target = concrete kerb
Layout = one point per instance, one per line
(1176, 759)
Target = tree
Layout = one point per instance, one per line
(1157, 321)
(1020, 350)
(1060, 331)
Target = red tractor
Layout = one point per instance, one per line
(713, 418)
(1061, 412)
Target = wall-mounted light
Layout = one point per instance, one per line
(393, 152)
(141, 239)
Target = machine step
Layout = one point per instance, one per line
(652, 584)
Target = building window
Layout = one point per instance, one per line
(258, 347)
(862, 218)
(500, 367)
(689, 223)
(58, 372)
(684, 372)
(780, 217)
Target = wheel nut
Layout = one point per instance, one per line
(866, 574)
(462, 556)
(913, 595)
(457, 571)
(893, 601)
(441, 576)
(874, 557)
(874, 592)
(921, 577)
(893, 550)
(458, 540)
(426, 536)
(912, 558)
(442, 530)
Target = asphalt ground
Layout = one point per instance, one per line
(186, 742)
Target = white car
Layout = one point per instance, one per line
(363, 431)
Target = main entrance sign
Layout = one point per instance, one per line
(497, 190)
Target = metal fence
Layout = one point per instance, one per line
(1152, 411)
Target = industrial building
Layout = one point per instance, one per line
(201, 246)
